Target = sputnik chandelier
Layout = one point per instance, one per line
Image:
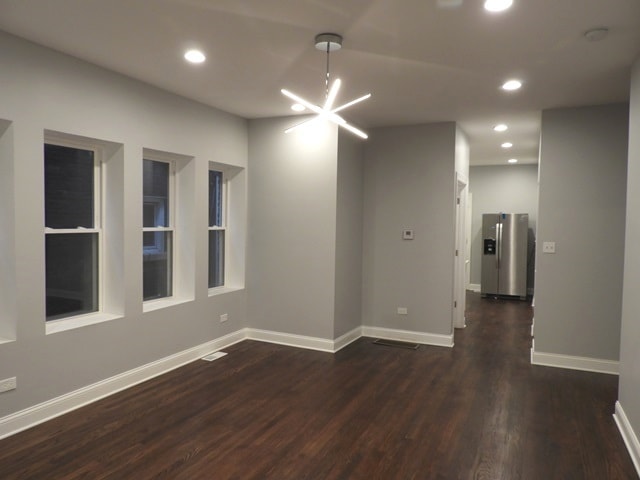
(328, 42)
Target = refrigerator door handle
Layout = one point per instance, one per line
(498, 244)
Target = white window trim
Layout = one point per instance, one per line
(157, 303)
(75, 321)
(224, 228)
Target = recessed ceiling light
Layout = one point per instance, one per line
(194, 56)
(511, 85)
(507, 145)
(501, 128)
(297, 107)
(497, 5)
(513, 160)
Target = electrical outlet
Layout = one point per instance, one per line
(224, 317)
(548, 247)
(403, 311)
(8, 384)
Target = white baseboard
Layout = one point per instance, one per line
(349, 337)
(408, 336)
(55, 407)
(574, 363)
(291, 340)
(474, 287)
(628, 435)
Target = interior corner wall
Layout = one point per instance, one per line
(502, 188)
(629, 385)
(409, 183)
(462, 154)
(348, 284)
(583, 166)
(292, 227)
(45, 90)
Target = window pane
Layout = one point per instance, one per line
(68, 187)
(155, 187)
(216, 258)
(72, 274)
(157, 265)
(215, 198)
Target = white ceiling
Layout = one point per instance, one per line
(422, 62)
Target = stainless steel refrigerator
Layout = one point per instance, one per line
(504, 254)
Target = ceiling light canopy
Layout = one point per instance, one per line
(497, 5)
(511, 85)
(513, 160)
(194, 56)
(328, 42)
(507, 145)
(501, 128)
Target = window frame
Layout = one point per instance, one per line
(99, 189)
(171, 221)
(223, 227)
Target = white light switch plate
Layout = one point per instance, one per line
(548, 247)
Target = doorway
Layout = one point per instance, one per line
(461, 264)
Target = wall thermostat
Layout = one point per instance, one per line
(407, 234)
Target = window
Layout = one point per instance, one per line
(72, 230)
(158, 232)
(217, 228)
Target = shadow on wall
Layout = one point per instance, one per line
(531, 261)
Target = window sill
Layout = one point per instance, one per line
(151, 305)
(221, 290)
(5, 340)
(71, 323)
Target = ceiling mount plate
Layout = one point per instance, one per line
(332, 41)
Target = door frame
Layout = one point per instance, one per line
(460, 248)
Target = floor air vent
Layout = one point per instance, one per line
(396, 343)
(214, 356)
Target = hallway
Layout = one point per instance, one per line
(558, 422)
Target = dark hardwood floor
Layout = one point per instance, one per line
(477, 411)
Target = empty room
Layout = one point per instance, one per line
(361, 239)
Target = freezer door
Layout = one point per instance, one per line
(512, 254)
(489, 272)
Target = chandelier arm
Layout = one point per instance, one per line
(332, 95)
(352, 102)
(302, 101)
(354, 130)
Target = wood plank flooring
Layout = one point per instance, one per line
(477, 411)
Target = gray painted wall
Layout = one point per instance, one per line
(42, 90)
(504, 188)
(583, 166)
(292, 227)
(629, 385)
(409, 183)
(348, 296)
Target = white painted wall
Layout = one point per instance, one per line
(504, 188)
(629, 386)
(292, 227)
(583, 180)
(462, 154)
(42, 89)
(7, 239)
(409, 184)
(349, 208)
